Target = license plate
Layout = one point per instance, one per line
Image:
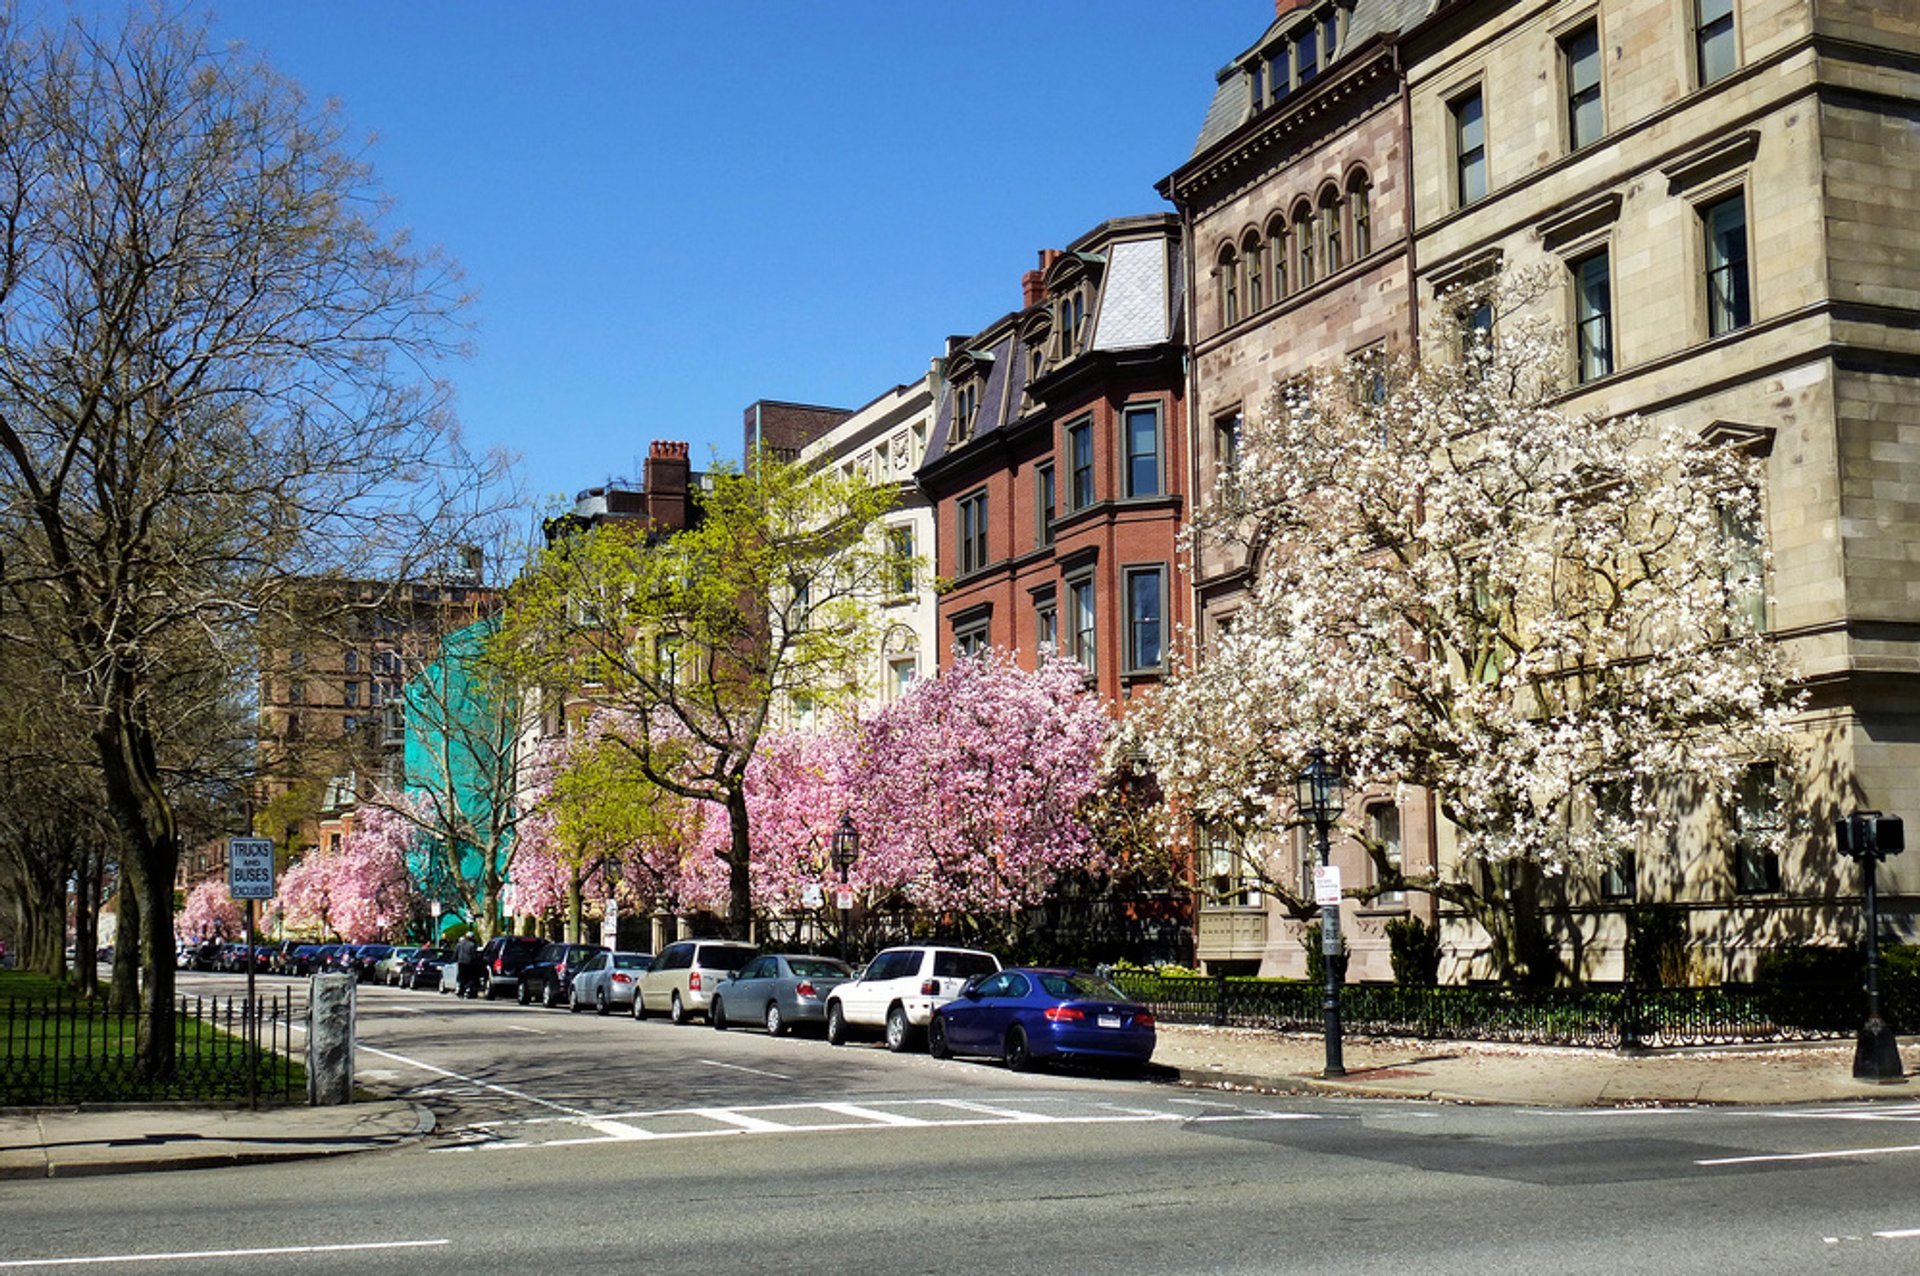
(1109, 1021)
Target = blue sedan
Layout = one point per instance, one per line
(1024, 1015)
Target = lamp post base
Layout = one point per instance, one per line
(1876, 1055)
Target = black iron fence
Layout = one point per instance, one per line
(68, 1050)
(1597, 1015)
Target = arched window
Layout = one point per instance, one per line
(1303, 242)
(1330, 228)
(1277, 254)
(1229, 287)
(1360, 213)
(1256, 272)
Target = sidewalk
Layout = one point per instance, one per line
(65, 1142)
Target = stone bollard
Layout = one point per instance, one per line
(330, 1040)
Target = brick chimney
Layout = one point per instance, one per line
(665, 483)
(1281, 8)
(1033, 284)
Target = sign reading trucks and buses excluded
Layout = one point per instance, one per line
(250, 867)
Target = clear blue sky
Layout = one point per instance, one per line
(667, 211)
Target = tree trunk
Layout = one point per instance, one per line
(86, 925)
(739, 867)
(123, 992)
(151, 852)
(573, 905)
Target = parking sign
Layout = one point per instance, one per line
(250, 867)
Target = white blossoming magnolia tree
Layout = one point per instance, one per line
(1545, 621)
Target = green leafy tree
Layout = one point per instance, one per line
(691, 641)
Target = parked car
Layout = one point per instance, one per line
(301, 960)
(608, 980)
(778, 990)
(899, 990)
(1025, 1015)
(502, 960)
(685, 974)
(548, 978)
(422, 968)
(360, 964)
(387, 969)
(324, 958)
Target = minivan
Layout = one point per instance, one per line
(684, 975)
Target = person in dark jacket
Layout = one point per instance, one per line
(466, 954)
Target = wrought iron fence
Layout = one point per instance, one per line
(1602, 1015)
(68, 1050)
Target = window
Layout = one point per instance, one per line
(1580, 66)
(973, 533)
(349, 724)
(1144, 628)
(296, 693)
(1469, 147)
(1043, 504)
(1330, 229)
(1280, 73)
(1383, 826)
(1141, 425)
(1226, 442)
(1230, 879)
(900, 540)
(352, 662)
(1080, 458)
(1303, 243)
(1072, 318)
(1712, 39)
(666, 659)
(1744, 576)
(1046, 624)
(1229, 287)
(1277, 254)
(1756, 823)
(972, 638)
(1306, 55)
(966, 406)
(1256, 273)
(803, 712)
(1360, 213)
(900, 675)
(1725, 225)
(1592, 317)
(1476, 331)
(1080, 608)
(351, 695)
(802, 600)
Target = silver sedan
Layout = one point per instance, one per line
(608, 980)
(778, 990)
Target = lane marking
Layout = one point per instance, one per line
(522, 1095)
(726, 1116)
(1003, 1114)
(1904, 1234)
(1837, 1155)
(189, 1254)
(531, 1032)
(874, 1115)
(758, 1072)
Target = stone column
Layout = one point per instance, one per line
(330, 1016)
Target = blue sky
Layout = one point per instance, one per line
(667, 211)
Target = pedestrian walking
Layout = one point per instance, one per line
(466, 954)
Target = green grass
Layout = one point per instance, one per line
(55, 1048)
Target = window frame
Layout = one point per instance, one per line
(900, 541)
(972, 636)
(1229, 427)
(1128, 412)
(1573, 95)
(1705, 209)
(1755, 871)
(1331, 213)
(970, 527)
(1700, 29)
(1083, 643)
(1129, 575)
(1046, 502)
(1081, 485)
(1227, 267)
(1588, 358)
(1386, 901)
(1224, 863)
(1468, 158)
(1359, 213)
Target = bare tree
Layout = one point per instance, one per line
(214, 356)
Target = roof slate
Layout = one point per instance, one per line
(1133, 298)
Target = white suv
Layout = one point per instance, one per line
(900, 989)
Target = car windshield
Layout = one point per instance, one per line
(631, 961)
(1078, 985)
(817, 967)
(963, 965)
(718, 958)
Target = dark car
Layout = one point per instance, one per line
(548, 978)
(365, 958)
(300, 960)
(323, 959)
(502, 960)
(778, 990)
(1025, 1015)
(422, 970)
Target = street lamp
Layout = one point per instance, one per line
(1318, 796)
(1867, 837)
(846, 849)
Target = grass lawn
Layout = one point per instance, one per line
(55, 1048)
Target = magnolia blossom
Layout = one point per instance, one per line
(363, 892)
(210, 910)
(1545, 620)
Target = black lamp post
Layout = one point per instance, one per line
(846, 849)
(1318, 797)
(1867, 837)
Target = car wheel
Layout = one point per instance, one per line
(937, 1039)
(836, 1024)
(776, 1026)
(718, 1016)
(676, 1013)
(639, 1005)
(1019, 1054)
(899, 1031)
(486, 987)
(573, 1001)
(550, 998)
(524, 994)
(599, 1001)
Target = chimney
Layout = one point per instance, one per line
(1281, 8)
(1033, 289)
(665, 483)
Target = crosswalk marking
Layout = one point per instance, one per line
(875, 1115)
(1855, 1112)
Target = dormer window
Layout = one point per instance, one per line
(1067, 324)
(1295, 59)
(966, 407)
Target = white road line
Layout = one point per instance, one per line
(725, 1116)
(185, 1255)
(511, 1093)
(1837, 1155)
(1004, 1114)
(874, 1115)
(1904, 1234)
(531, 1032)
(758, 1072)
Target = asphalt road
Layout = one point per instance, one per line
(573, 1144)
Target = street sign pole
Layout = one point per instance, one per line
(249, 878)
(252, 1022)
